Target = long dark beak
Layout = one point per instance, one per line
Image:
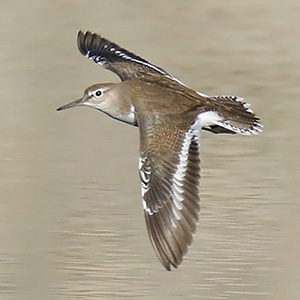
(71, 104)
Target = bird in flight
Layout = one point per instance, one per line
(170, 117)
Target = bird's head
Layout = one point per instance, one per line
(98, 96)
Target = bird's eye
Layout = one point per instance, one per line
(98, 93)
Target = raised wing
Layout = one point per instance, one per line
(114, 58)
(170, 176)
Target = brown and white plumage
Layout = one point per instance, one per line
(170, 174)
(170, 117)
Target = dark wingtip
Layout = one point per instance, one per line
(81, 42)
(93, 45)
(89, 44)
(80, 36)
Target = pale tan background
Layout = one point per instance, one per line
(71, 222)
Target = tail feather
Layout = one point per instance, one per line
(236, 116)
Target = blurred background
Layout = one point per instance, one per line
(71, 220)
